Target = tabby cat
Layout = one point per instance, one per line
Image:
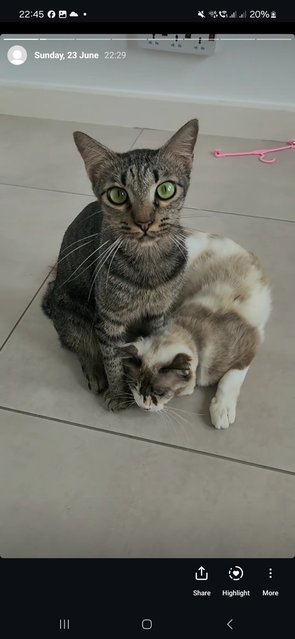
(123, 258)
(212, 335)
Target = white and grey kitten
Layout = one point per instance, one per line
(213, 334)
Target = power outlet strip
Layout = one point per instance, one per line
(193, 43)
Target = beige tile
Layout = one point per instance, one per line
(42, 153)
(32, 225)
(72, 492)
(40, 377)
(241, 185)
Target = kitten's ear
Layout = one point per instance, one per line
(129, 351)
(183, 142)
(96, 156)
(181, 361)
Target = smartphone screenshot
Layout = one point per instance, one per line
(147, 334)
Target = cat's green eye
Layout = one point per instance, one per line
(116, 195)
(166, 190)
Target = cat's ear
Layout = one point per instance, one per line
(96, 156)
(181, 362)
(129, 351)
(183, 142)
(180, 365)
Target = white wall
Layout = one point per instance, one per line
(241, 78)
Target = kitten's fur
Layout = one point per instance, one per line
(121, 263)
(216, 326)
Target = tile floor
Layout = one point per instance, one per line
(77, 481)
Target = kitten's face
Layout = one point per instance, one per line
(157, 369)
(141, 191)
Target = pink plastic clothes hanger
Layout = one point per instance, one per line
(260, 152)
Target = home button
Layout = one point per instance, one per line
(146, 624)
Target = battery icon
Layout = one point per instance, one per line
(273, 14)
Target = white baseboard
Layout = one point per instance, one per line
(261, 121)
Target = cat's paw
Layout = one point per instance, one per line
(222, 412)
(96, 382)
(114, 402)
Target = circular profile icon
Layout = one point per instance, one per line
(17, 54)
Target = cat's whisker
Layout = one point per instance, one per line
(171, 423)
(119, 245)
(190, 228)
(127, 378)
(177, 244)
(122, 395)
(163, 416)
(87, 237)
(182, 238)
(179, 238)
(164, 413)
(179, 427)
(188, 412)
(181, 246)
(182, 241)
(91, 263)
(101, 263)
(178, 416)
(85, 260)
(72, 251)
(180, 424)
(89, 216)
(105, 255)
(101, 257)
(127, 404)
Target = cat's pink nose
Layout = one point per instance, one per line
(144, 226)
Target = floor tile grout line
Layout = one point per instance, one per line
(149, 441)
(38, 188)
(190, 208)
(134, 141)
(24, 312)
(255, 217)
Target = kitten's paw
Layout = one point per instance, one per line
(114, 402)
(222, 412)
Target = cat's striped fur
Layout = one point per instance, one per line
(121, 263)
